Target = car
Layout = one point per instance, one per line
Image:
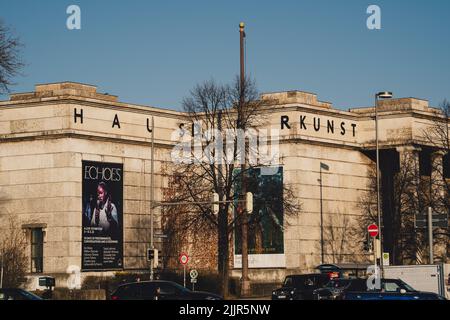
(357, 289)
(335, 288)
(300, 287)
(159, 290)
(17, 294)
(391, 289)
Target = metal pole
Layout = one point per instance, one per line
(184, 275)
(430, 233)
(245, 281)
(1, 272)
(152, 195)
(321, 218)
(374, 250)
(378, 184)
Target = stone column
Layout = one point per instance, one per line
(437, 179)
(437, 197)
(409, 176)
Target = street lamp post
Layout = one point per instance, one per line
(245, 280)
(152, 194)
(326, 168)
(379, 95)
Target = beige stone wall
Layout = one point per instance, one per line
(40, 181)
(342, 186)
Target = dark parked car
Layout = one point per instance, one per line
(392, 290)
(357, 289)
(300, 287)
(335, 288)
(159, 290)
(17, 294)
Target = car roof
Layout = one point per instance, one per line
(146, 282)
(307, 275)
(11, 289)
(348, 279)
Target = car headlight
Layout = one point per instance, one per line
(292, 292)
(274, 292)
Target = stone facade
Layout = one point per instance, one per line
(45, 135)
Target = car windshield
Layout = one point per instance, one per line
(289, 282)
(396, 285)
(338, 283)
(29, 295)
(408, 287)
(181, 288)
(299, 282)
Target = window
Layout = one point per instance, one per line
(288, 282)
(37, 250)
(167, 289)
(147, 291)
(309, 282)
(391, 287)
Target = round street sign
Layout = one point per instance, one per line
(184, 258)
(193, 274)
(373, 230)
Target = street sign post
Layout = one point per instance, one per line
(184, 259)
(386, 260)
(194, 275)
(439, 221)
(430, 220)
(373, 230)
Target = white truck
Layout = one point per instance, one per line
(429, 278)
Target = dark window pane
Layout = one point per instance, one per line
(447, 166)
(37, 250)
(167, 288)
(147, 291)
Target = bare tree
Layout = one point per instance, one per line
(367, 204)
(408, 196)
(218, 108)
(438, 136)
(10, 61)
(341, 238)
(399, 233)
(412, 193)
(13, 257)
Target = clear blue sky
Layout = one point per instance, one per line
(154, 52)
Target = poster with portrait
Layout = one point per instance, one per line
(265, 224)
(102, 212)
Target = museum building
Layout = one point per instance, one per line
(75, 170)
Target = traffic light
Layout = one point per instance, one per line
(153, 257)
(249, 202)
(150, 254)
(368, 244)
(215, 203)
